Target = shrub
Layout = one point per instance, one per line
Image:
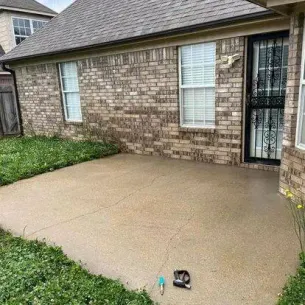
(294, 291)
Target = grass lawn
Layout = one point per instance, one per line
(26, 157)
(33, 273)
(294, 291)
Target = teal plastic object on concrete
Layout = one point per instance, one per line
(161, 284)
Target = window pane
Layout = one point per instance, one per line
(38, 25)
(73, 106)
(27, 23)
(198, 64)
(188, 106)
(15, 22)
(69, 69)
(22, 29)
(70, 84)
(198, 107)
(210, 106)
(70, 88)
(16, 31)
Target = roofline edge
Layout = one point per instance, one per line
(13, 9)
(153, 35)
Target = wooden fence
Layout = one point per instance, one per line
(9, 121)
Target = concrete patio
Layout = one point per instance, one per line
(135, 218)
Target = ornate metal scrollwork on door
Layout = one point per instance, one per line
(266, 98)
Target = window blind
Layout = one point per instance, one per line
(70, 91)
(197, 85)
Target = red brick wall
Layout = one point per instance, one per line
(133, 99)
(292, 174)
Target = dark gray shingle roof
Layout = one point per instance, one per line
(88, 23)
(31, 5)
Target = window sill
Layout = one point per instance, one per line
(73, 122)
(197, 129)
(300, 147)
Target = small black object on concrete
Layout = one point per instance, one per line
(182, 279)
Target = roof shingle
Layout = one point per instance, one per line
(31, 5)
(88, 23)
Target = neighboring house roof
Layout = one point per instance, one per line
(89, 23)
(27, 5)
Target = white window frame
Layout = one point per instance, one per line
(64, 96)
(301, 106)
(31, 26)
(181, 87)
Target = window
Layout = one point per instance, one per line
(197, 85)
(70, 91)
(24, 28)
(300, 138)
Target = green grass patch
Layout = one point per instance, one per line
(294, 291)
(32, 272)
(26, 157)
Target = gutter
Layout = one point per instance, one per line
(16, 94)
(182, 30)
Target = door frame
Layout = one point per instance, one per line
(248, 88)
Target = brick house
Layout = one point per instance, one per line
(212, 81)
(18, 20)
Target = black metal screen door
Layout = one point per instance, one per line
(266, 90)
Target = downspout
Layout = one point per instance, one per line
(4, 68)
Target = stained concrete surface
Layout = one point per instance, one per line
(135, 218)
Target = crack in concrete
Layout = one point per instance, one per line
(168, 247)
(97, 210)
(146, 226)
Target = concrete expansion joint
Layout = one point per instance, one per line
(95, 211)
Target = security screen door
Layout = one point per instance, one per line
(266, 90)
